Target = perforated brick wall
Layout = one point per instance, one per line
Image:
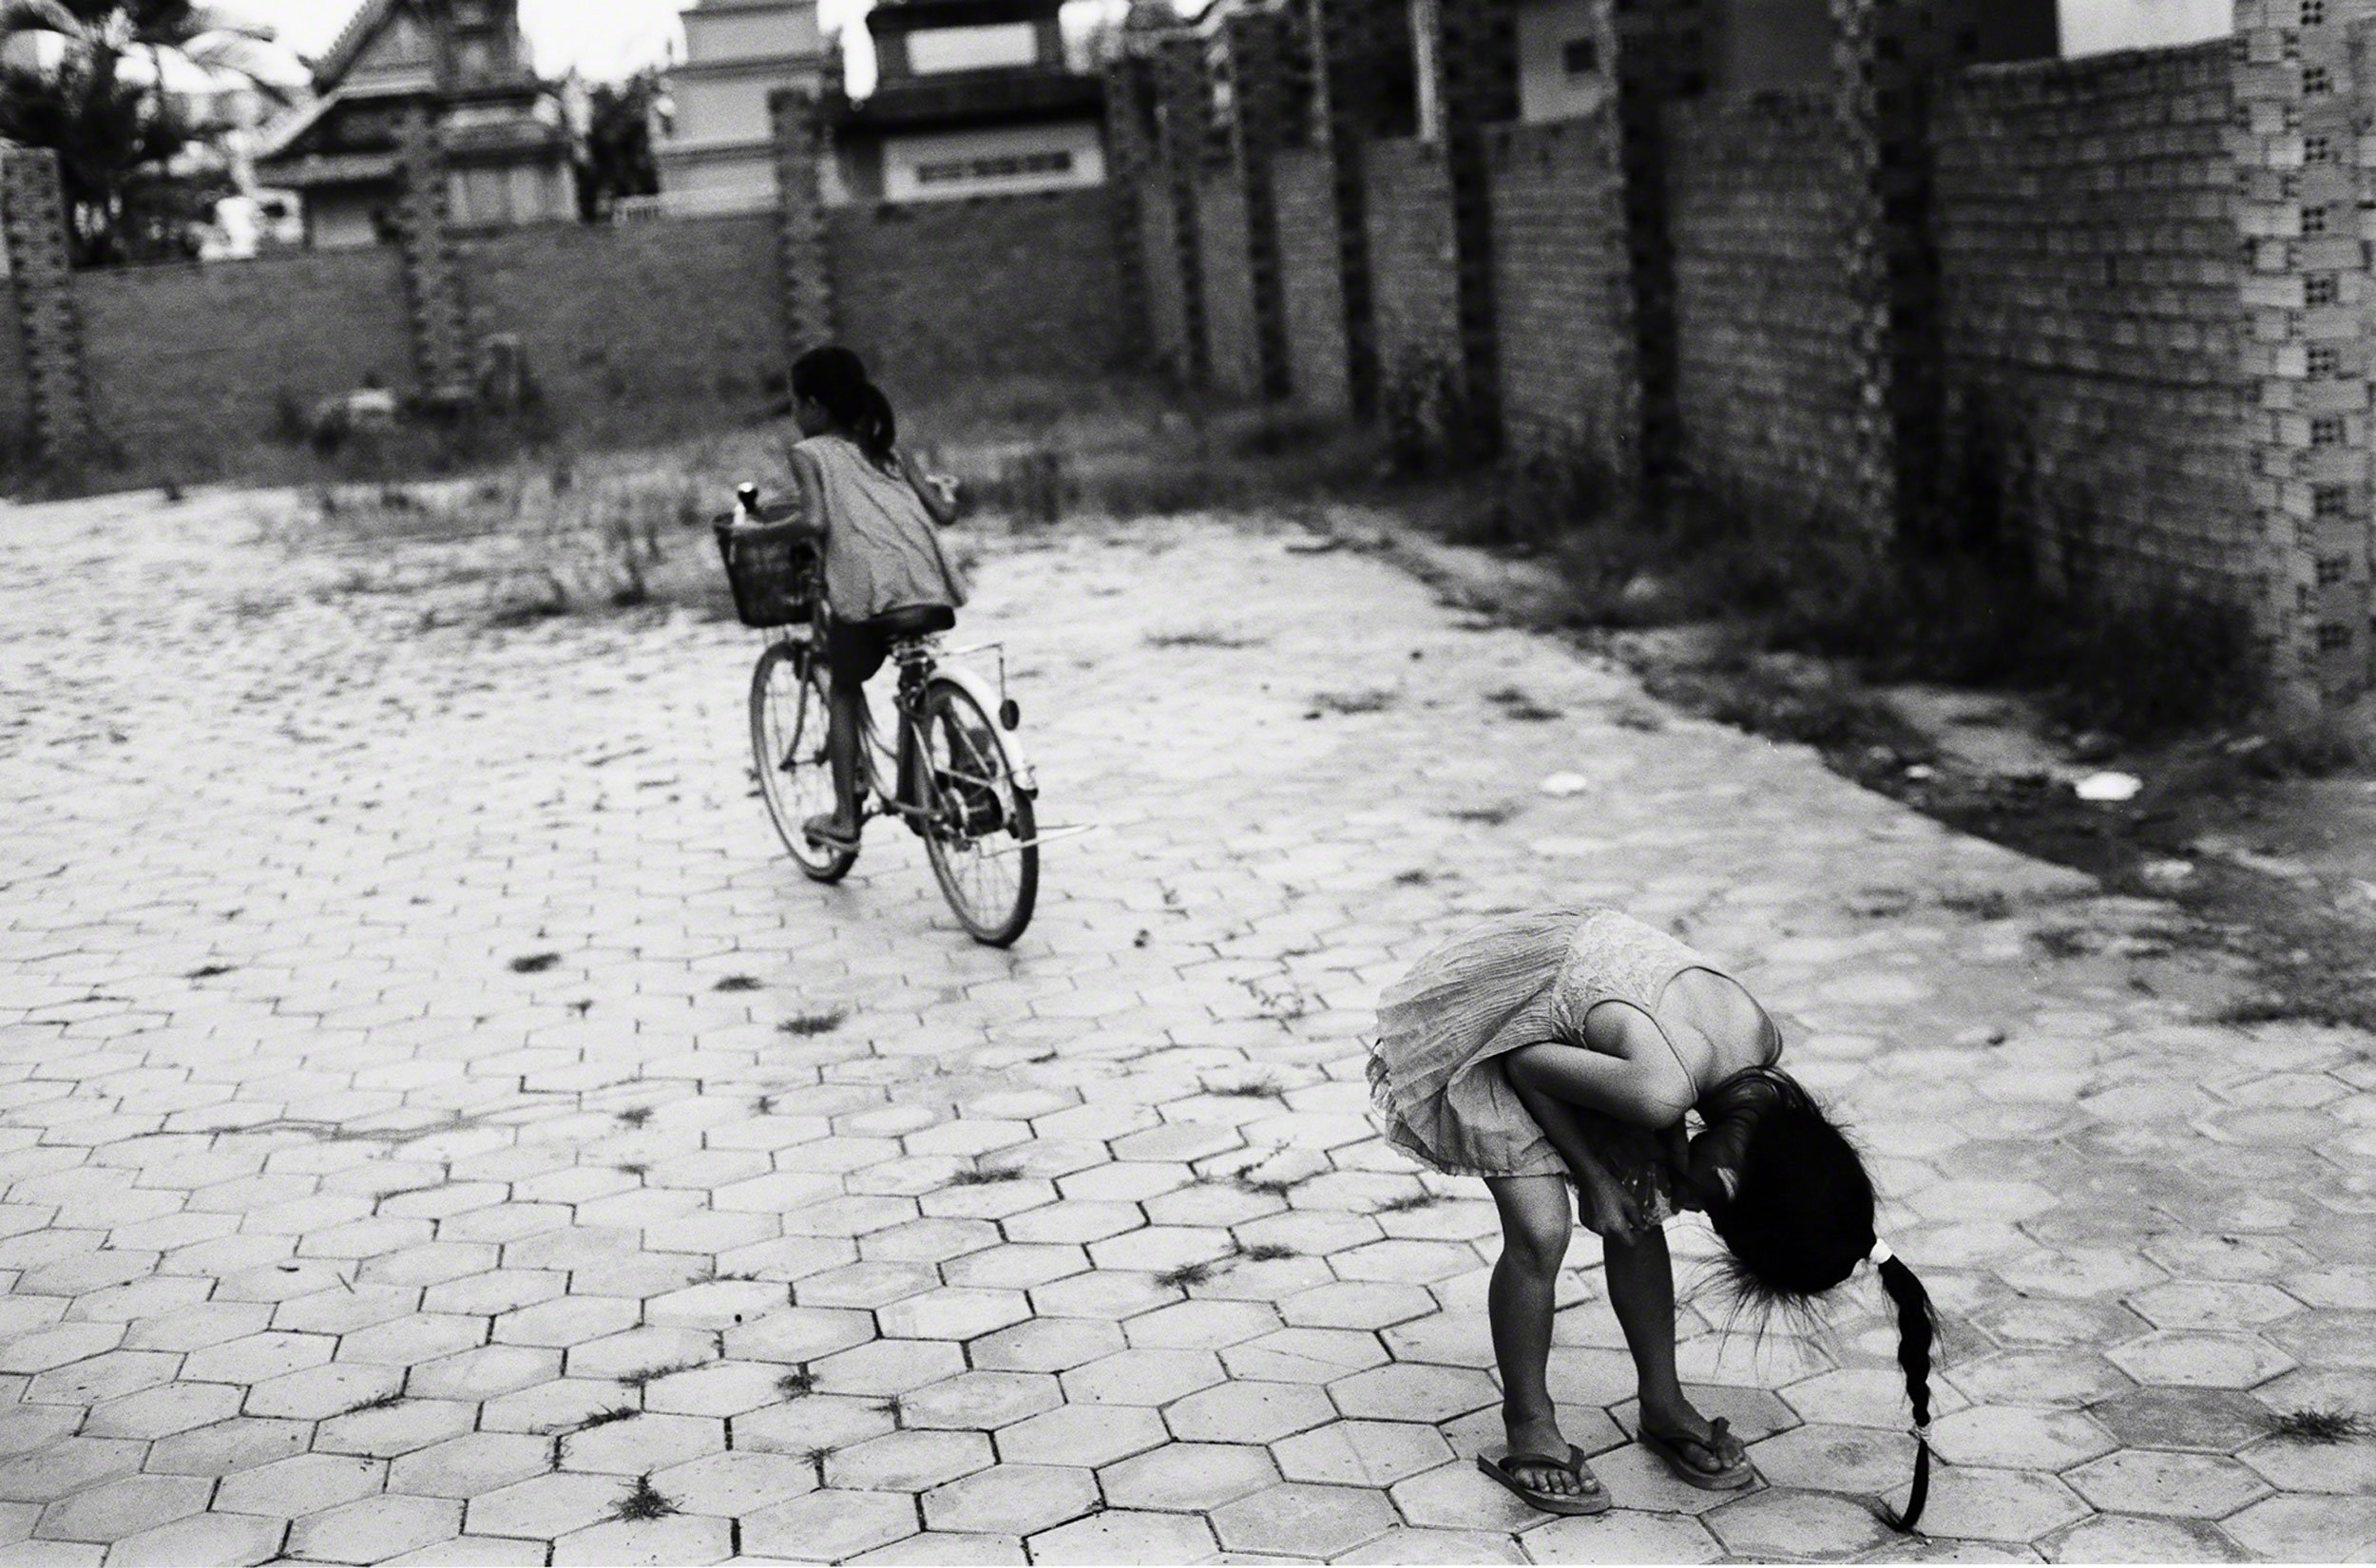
(189, 365)
(939, 292)
(1166, 293)
(666, 326)
(1232, 348)
(1768, 375)
(1311, 257)
(1564, 291)
(16, 391)
(2090, 275)
(1412, 263)
(40, 301)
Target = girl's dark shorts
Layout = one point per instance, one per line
(855, 649)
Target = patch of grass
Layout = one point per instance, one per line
(1268, 1251)
(635, 1115)
(1982, 906)
(1517, 704)
(2317, 1425)
(1353, 704)
(1260, 1088)
(1202, 637)
(894, 1408)
(643, 1502)
(764, 1105)
(1267, 1186)
(384, 1402)
(1187, 1274)
(2063, 941)
(650, 1375)
(535, 964)
(609, 1417)
(737, 982)
(1409, 1201)
(1415, 877)
(635, 1168)
(978, 1178)
(797, 1383)
(1486, 816)
(806, 1024)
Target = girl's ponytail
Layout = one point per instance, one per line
(1917, 1327)
(877, 427)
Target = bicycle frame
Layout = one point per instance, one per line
(921, 662)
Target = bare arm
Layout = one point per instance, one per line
(944, 512)
(809, 481)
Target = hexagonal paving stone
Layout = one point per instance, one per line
(830, 1525)
(1014, 1500)
(544, 1507)
(2293, 1464)
(981, 1401)
(1296, 1518)
(1357, 1306)
(1085, 1435)
(731, 1485)
(1621, 1538)
(1050, 1345)
(2122, 1537)
(947, 1549)
(1459, 1496)
(1835, 1459)
(374, 1528)
(1142, 1377)
(2217, 1420)
(684, 1539)
(1413, 1392)
(1201, 1324)
(1124, 1535)
(1767, 1525)
(953, 1314)
(308, 1483)
(887, 1367)
(2144, 1481)
(2304, 1529)
(1198, 1477)
(2188, 1304)
(908, 1461)
(721, 1388)
(1361, 1453)
(235, 1540)
(1249, 1412)
(469, 1466)
(647, 1443)
(116, 1509)
(2012, 1438)
(2008, 1506)
(2201, 1361)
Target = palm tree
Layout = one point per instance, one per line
(120, 89)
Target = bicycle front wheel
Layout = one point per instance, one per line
(980, 830)
(788, 714)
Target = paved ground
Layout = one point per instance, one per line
(430, 1102)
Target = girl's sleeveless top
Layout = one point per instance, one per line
(882, 550)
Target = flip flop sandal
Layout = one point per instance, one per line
(819, 830)
(1594, 1500)
(1670, 1448)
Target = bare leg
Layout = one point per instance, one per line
(842, 740)
(1641, 1290)
(1519, 1303)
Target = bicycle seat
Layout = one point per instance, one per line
(916, 620)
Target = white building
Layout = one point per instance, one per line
(720, 154)
(971, 98)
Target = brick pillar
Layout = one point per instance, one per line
(2297, 141)
(1258, 47)
(1479, 89)
(1660, 56)
(1350, 39)
(1182, 131)
(804, 265)
(1130, 154)
(1869, 81)
(41, 301)
(436, 292)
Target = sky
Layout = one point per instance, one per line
(603, 38)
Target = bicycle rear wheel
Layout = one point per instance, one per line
(980, 830)
(788, 714)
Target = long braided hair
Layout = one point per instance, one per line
(1795, 1226)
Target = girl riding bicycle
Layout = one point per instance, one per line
(877, 519)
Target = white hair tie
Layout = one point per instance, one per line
(1880, 1254)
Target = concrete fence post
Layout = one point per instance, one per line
(1479, 89)
(42, 304)
(1182, 129)
(436, 288)
(804, 262)
(1261, 77)
(2299, 139)
(1660, 56)
(1130, 154)
(1350, 40)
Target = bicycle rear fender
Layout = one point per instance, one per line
(1027, 778)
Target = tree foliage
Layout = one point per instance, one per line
(616, 161)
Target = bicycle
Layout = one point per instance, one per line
(962, 785)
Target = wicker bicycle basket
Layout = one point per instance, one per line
(772, 571)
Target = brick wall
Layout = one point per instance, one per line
(1411, 260)
(1233, 345)
(1303, 182)
(666, 327)
(1011, 285)
(1166, 292)
(1559, 279)
(1767, 377)
(2092, 318)
(16, 394)
(189, 365)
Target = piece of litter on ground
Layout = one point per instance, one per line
(2112, 788)
(1559, 786)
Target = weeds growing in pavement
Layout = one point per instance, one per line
(737, 982)
(643, 1502)
(1202, 637)
(2316, 1425)
(797, 1383)
(1266, 1251)
(650, 1375)
(608, 1416)
(1409, 1201)
(535, 964)
(385, 1402)
(1187, 1274)
(979, 1177)
(805, 1024)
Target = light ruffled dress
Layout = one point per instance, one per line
(1437, 1084)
